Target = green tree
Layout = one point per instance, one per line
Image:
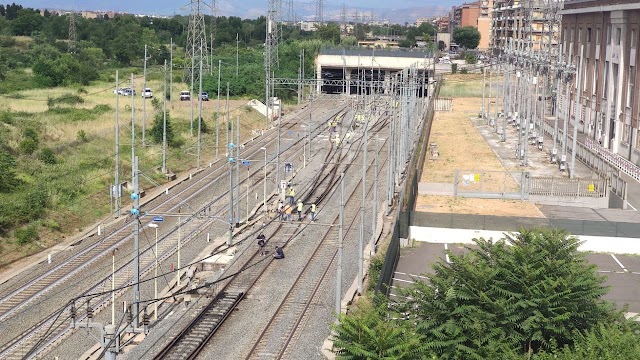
(27, 22)
(467, 37)
(517, 295)
(8, 179)
(615, 341)
(368, 333)
(329, 32)
(158, 127)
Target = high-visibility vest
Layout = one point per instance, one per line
(313, 208)
(292, 192)
(300, 206)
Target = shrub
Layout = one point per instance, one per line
(454, 68)
(47, 156)
(26, 235)
(101, 109)
(82, 136)
(28, 146)
(69, 99)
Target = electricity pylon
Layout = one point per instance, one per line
(196, 48)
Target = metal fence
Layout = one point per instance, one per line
(519, 185)
(510, 223)
(554, 186)
(443, 104)
(616, 160)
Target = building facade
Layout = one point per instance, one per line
(602, 35)
(476, 14)
(510, 20)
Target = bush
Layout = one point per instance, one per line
(26, 235)
(470, 58)
(82, 136)
(47, 156)
(454, 68)
(69, 99)
(28, 146)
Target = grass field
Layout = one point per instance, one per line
(82, 137)
(462, 147)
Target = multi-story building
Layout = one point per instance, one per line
(484, 24)
(443, 24)
(524, 24)
(602, 35)
(476, 14)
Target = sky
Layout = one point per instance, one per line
(396, 11)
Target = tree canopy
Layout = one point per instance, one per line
(467, 37)
(528, 294)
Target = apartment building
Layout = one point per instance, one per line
(476, 14)
(604, 35)
(510, 21)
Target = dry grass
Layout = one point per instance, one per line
(460, 205)
(462, 147)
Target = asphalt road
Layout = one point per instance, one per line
(622, 271)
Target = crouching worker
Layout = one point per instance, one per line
(261, 243)
(278, 254)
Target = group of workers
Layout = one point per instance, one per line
(277, 253)
(285, 210)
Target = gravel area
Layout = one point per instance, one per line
(236, 337)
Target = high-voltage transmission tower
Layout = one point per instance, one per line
(271, 62)
(320, 11)
(196, 48)
(72, 33)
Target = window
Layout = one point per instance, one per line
(618, 36)
(594, 83)
(598, 36)
(633, 39)
(632, 80)
(585, 76)
(580, 36)
(606, 80)
(609, 35)
(588, 35)
(626, 131)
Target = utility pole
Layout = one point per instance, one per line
(237, 133)
(237, 54)
(170, 75)
(133, 124)
(227, 116)
(362, 207)
(144, 98)
(340, 245)
(484, 79)
(577, 114)
(135, 211)
(218, 111)
(374, 220)
(231, 160)
(164, 122)
(116, 189)
(199, 110)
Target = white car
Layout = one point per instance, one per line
(185, 95)
(147, 93)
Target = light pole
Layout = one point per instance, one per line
(155, 275)
(179, 241)
(218, 112)
(113, 286)
(264, 181)
(231, 160)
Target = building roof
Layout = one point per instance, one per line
(376, 52)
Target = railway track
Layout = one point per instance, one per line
(279, 333)
(12, 303)
(211, 317)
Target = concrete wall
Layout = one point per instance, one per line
(590, 202)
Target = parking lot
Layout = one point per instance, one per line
(622, 271)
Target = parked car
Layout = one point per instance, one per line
(204, 96)
(185, 96)
(147, 93)
(117, 91)
(128, 92)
